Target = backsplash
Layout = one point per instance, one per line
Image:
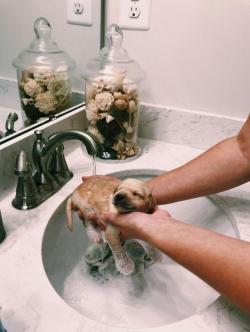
(9, 96)
(197, 130)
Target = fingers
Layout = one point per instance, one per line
(160, 213)
(109, 218)
(97, 220)
(108, 177)
(93, 217)
(85, 178)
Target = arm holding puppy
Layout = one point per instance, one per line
(205, 253)
(224, 166)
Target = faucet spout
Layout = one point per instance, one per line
(43, 150)
(92, 145)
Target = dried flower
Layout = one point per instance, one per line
(31, 88)
(58, 87)
(43, 77)
(132, 106)
(121, 104)
(130, 88)
(92, 111)
(98, 85)
(46, 102)
(118, 146)
(104, 101)
(120, 95)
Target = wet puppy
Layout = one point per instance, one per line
(98, 195)
(132, 195)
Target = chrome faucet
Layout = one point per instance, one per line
(51, 170)
(2, 231)
(9, 124)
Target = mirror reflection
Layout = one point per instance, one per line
(40, 60)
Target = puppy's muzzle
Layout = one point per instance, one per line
(122, 203)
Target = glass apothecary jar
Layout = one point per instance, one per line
(44, 74)
(112, 92)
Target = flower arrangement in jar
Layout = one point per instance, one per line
(112, 99)
(44, 75)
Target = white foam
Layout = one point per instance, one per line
(155, 299)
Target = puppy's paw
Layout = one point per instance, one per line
(125, 266)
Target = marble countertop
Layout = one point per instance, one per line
(28, 301)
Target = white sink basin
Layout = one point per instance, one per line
(166, 294)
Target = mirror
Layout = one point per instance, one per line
(81, 42)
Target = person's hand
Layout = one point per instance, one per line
(135, 225)
(107, 177)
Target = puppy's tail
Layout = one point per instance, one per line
(69, 214)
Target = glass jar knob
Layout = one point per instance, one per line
(42, 28)
(114, 36)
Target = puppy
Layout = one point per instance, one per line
(102, 194)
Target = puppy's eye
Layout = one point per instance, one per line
(136, 193)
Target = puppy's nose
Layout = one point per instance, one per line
(119, 197)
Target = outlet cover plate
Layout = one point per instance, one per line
(142, 22)
(84, 18)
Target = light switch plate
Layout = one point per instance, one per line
(134, 14)
(80, 12)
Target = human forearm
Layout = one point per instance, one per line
(221, 261)
(222, 167)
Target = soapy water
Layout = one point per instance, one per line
(152, 299)
(118, 302)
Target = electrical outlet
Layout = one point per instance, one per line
(80, 12)
(134, 14)
(78, 8)
(134, 11)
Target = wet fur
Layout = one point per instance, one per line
(100, 195)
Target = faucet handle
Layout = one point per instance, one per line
(58, 165)
(27, 194)
(40, 142)
(22, 165)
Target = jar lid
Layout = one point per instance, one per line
(113, 59)
(43, 52)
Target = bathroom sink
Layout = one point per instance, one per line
(167, 293)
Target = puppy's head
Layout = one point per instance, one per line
(133, 195)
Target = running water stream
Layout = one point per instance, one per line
(94, 165)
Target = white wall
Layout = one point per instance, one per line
(196, 54)
(16, 30)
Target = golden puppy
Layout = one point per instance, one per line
(98, 195)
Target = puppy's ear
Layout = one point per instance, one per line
(151, 203)
(116, 188)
